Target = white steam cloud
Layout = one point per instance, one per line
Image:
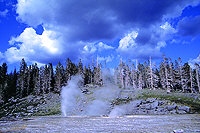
(96, 102)
(69, 95)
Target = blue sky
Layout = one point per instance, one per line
(46, 31)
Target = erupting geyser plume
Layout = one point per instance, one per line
(92, 100)
(69, 94)
(95, 103)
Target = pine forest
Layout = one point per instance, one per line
(169, 76)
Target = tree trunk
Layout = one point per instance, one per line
(191, 86)
(197, 77)
(151, 76)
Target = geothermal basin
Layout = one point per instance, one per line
(91, 124)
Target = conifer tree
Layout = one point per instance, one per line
(80, 68)
(3, 81)
(86, 76)
(145, 75)
(116, 75)
(180, 73)
(51, 80)
(37, 80)
(22, 80)
(197, 76)
(97, 75)
(166, 74)
(191, 80)
(29, 80)
(134, 77)
(151, 76)
(90, 73)
(186, 77)
(11, 87)
(122, 73)
(141, 70)
(156, 78)
(59, 77)
(127, 77)
(140, 81)
(71, 69)
(45, 78)
(171, 75)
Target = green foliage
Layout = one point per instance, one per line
(120, 101)
(191, 100)
(56, 110)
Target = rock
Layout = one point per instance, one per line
(185, 108)
(85, 91)
(142, 112)
(134, 111)
(161, 113)
(148, 107)
(161, 109)
(181, 112)
(25, 114)
(173, 112)
(151, 112)
(150, 100)
(30, 107)
(23, 109)
(160, 103)
(154, 105)
(29, 114)
(178, 131)
(30, 111)
(17, 114)
(143, 102)
(135, 103)
(145, 106)
(171, 107)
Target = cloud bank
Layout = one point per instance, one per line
(78, 29)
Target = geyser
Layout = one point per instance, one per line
(69, 95)
(97, 102)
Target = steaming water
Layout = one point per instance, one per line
(88, 124)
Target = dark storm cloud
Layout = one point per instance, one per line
(142, 12)
(144, 37)
(77, 23)
(90, 20)
(189, 26)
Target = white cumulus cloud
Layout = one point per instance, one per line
(33, 47)
(70, 24)
(90, 48)
(142, 43)
(128, 41)
(102, 46)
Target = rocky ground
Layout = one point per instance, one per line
(47, 104)
(153, 106)
(128, 102)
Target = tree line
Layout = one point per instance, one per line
(40, 80)
(169, 76)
